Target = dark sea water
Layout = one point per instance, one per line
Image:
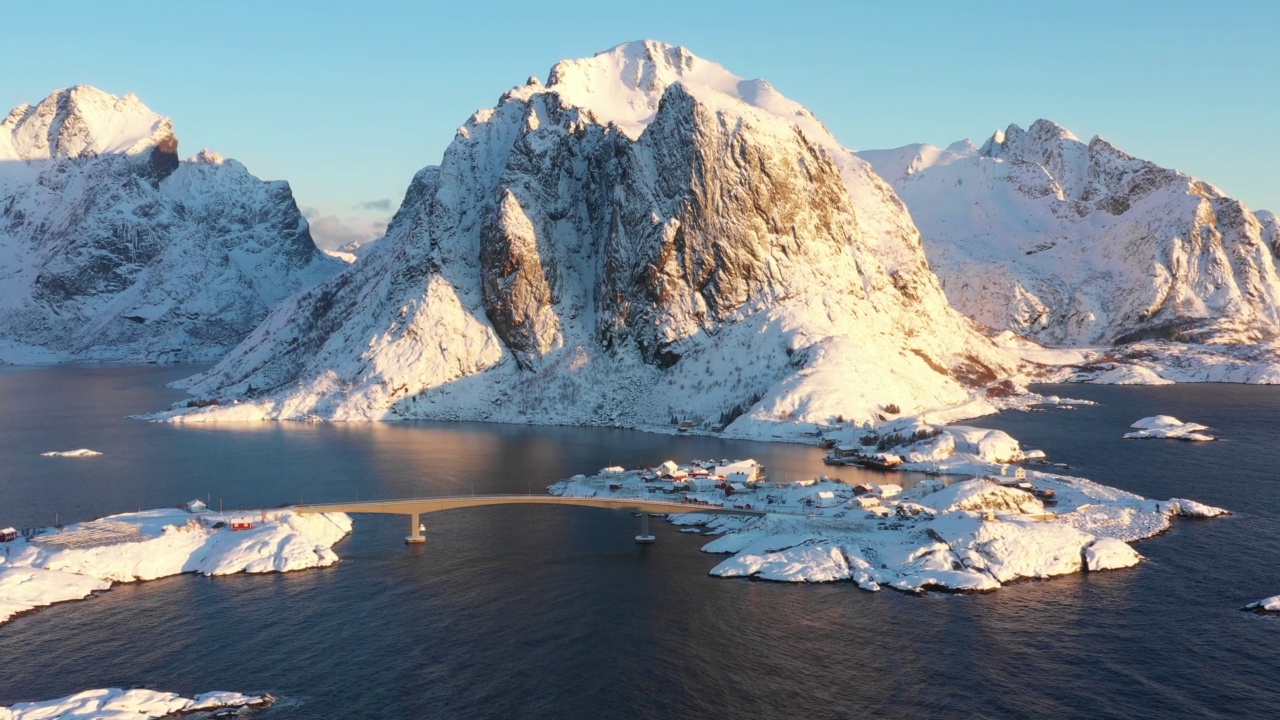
(529, 612)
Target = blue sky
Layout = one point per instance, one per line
(347, 100)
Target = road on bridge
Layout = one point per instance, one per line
(416, 507)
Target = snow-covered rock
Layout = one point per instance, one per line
(134, 704)
(113, 248)
(1168, 427)
(89, 557)
(1265, 605)
(1074, 243)
(983, 496)
(1190, 508)
(80, 453)
(645, 237)
(1109, 554)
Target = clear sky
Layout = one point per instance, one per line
(346, 100)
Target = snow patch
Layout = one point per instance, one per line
(82, 452)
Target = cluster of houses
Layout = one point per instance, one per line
(743, 484)
(853, 455)
(707, 476)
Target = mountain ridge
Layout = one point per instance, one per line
(1074, 243)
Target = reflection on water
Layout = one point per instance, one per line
(268, 464)
(555, 612)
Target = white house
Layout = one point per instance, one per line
(825, 499)
(1013, 471)
(197, 506)
(743, 471)
(886, 491)
(928, 487)
(701, 483)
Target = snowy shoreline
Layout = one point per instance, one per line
(88, 558)
(135, 704)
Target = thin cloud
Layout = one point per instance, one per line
(383, 205)
(332, 232)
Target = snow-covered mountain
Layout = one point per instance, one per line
(1074, 243)
(112, 248)
(645, 238)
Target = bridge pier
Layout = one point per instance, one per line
(415, 531)
(645, 537)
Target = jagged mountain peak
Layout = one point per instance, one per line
(207, 157)
(1042, 137)
(624, 85)
(82, 121)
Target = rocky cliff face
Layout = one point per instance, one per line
(646, 237)
(1076, 243)
(111, 248)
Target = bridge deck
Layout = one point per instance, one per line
(417, 506)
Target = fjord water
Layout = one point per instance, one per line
(555, 612)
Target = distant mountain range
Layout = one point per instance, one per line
(1074, 243)
(113, 248)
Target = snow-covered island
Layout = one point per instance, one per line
(997, 524)
(135, 704)
(88, 557)
(1168, 427)
(79, 453)
(1265, 606)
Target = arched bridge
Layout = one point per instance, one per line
(415, 507)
